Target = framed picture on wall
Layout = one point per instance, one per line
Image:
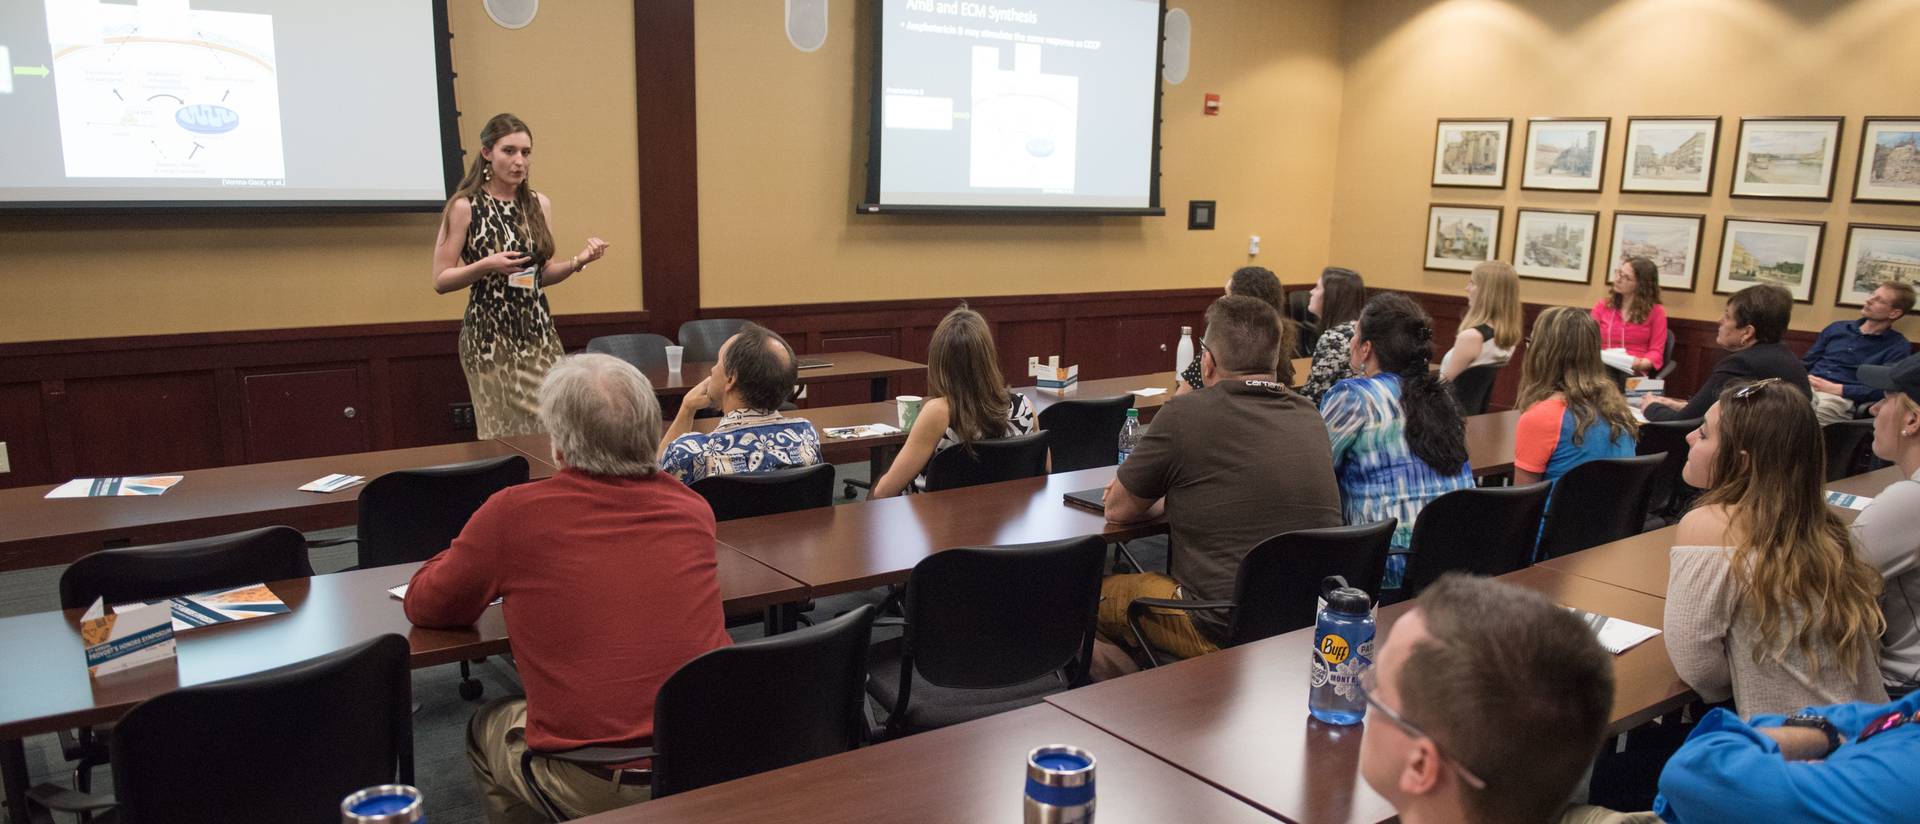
(1789, 158)
(1672, 242)
(1875, 255)
(1471, 153)
(1782, 252)
(1565, 153)
(1460, 236)
(1889, 161)
(1670, 155)
(1552, 244)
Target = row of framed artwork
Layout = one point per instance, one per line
(1558, 244)
(1787, 158)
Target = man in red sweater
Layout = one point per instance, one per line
(608, 574)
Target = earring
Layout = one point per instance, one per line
(486, 173)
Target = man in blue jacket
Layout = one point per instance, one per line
(1845, 345)
(1844, 763)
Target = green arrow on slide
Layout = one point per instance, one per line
(31, 71)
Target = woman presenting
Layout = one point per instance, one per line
(495, 243)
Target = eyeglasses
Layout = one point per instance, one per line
(1748, 391)
(1203, 346)
(1886, 722)
(1370, 683)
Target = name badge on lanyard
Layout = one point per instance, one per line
(527, 278)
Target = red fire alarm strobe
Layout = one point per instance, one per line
(1212, 105)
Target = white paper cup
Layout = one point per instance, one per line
(674, 354)
(908, 408)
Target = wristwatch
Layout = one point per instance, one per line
(1817, 722)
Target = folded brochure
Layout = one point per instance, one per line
(1616, 634)
(332, 483)
(223, 606)
(113, 487)
(868, 430)
(400, 592)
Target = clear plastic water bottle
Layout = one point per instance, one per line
(1342, 650)
(1183, 355)
(1129, 435)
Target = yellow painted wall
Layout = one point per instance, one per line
(570, 75)
(1409, 62)
(783, 161)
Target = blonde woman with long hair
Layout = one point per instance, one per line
(494, 242)
(967, 400)
(1492, 326)
(1767, 600)
(1573, 412)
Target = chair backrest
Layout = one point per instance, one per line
(1278, 587)
(991, 461)
(412, 514)
(1473, 387)
(703, 337)
(148, 573)
(746, 495)
(984, 617)
(1847, 444)
(325, 727)
(1309, 338)
(645, 350)
(1599, 502)
(1083, 434)
(1667, 492)
(1483, 531)
(1297, 302)
(1666, 357)
(762, 705)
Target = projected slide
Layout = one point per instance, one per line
(1040, 104)
(162, 90)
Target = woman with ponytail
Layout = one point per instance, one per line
(1398, 438)
(494, 242)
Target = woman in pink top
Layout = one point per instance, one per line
(1631, 317)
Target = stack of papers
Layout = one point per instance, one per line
(111, 487)
(218, 607)
(332, 483)
(868, 430)
(1616, 634)
(1150, 391)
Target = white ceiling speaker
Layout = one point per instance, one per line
(807, 24)
(1179, 35)
(512, 14)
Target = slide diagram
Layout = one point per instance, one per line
(1024, 122)
(161, 90)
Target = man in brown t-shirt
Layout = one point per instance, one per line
(1233, 464)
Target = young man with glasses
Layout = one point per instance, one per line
(1487, 703)
(1847, 762)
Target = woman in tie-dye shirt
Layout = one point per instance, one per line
(1398, 439)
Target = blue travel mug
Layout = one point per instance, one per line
(1059, 785)
(384, 804)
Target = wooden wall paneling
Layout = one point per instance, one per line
(231, 399)
(53, 406)
(422, 392)
(669, 168)
(144, 423)
(380, 403)
(305, 413)
(23, 427)
(1016, 341)
(1145, 344)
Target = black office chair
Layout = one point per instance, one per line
(1667, 495)
(1277, 589)
(1666, 358)
(990, 629)
(1849, 445)
(1598, 502)
(1474, 387)
(703, 338)
(148, 573)
(412, 514)
(1297, 302)
(1481, 531)
(746, 709)
(644, 350)
(286, 744)
(1309, 338)
(1085, 433)
(991, 461)
(751, 494)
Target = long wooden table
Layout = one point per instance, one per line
(878, 370)
(44, 684)
(1238, 718)
(973, 772)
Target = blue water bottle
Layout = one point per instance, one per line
(1342, 649)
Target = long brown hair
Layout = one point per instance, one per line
(1342, 296)
(1261, 283)
(1793, 560)
(1646, 291)
(1496, 302)
(533, 219)
(963, 368)
(1563, 358)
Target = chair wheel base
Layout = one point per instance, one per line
(471, 690)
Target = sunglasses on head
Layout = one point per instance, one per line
(1749, 390)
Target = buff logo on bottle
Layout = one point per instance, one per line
(1342, 650)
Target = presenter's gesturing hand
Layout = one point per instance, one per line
(560, 270)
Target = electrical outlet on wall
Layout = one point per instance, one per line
(460, 415)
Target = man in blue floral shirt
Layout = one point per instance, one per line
(754, 375)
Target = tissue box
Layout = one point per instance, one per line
(118, 641)
(1055, 377)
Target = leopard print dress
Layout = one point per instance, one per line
(507, 339)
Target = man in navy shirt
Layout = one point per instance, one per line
(1846, 345)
